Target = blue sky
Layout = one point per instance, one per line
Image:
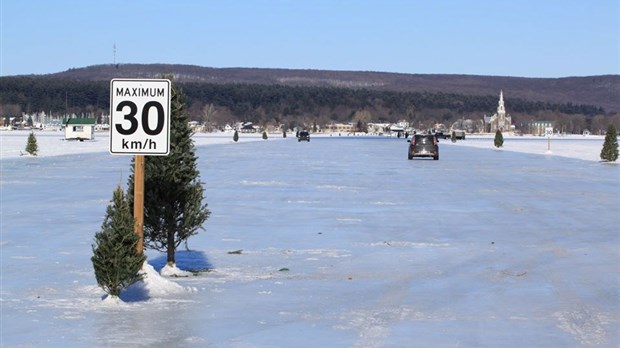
(548, 38)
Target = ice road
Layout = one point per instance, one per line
(339, 242)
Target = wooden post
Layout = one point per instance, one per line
(138, 200)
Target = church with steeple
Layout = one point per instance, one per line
(499, 120)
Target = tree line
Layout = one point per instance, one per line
(220, 104)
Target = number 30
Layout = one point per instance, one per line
(131, 117)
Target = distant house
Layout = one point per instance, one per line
(248, 127)
(538, 127)
(339, 128)
(79, 128)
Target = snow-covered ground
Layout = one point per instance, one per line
(339, 242)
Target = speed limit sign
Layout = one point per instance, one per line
(548, 131)
(140, 117)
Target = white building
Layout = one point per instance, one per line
(500, 120)
(79, 128)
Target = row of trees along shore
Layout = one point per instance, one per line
(219, 104)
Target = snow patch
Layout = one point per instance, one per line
(384, 203)
(338, 187)
(152, 284)
(112, 301)
(302, 202)
(174, 271)
(263, 183)
(410, 244)
(584, 324)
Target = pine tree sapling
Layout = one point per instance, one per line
(236, 136)
(609, 152)
(115, 259)
(499, 139)
(265, 137)
(173, 193)
(31, 146)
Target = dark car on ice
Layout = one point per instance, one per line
(303, 135)
(423, 145)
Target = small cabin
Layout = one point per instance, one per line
(79, 128)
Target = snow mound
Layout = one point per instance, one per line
(152, 284)
(112, 301)
(156, 284)
(174, 271)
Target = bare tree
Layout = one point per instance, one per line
(208, 116)
(361, 119)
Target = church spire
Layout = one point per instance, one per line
(501, 110)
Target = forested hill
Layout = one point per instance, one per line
(603, 91)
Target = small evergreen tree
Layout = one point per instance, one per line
(265, 135)
(453, 136)
(610, 146)
(32, 147)
(236, 136)
(173, 193)
(499, 139)
(284, 134)
(115, 259)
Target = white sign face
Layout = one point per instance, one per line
(140, 117)
(548, 131)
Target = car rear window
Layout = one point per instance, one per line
(424, 139)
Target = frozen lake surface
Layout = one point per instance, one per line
(344, 243)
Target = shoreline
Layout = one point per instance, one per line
(52, 143)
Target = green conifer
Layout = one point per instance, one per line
(499, 139)
(115, 259)
(265, 137)
(610, 146)
(236, 136)
(173, 193)
(32, 147)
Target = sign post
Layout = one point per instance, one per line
(138, 200)
(548, 134)
(139, 126)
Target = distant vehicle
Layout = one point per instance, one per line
(459, 134)
(440, 135)
(303, 136)
(423, 145)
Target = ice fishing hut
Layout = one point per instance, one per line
(79, 128)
